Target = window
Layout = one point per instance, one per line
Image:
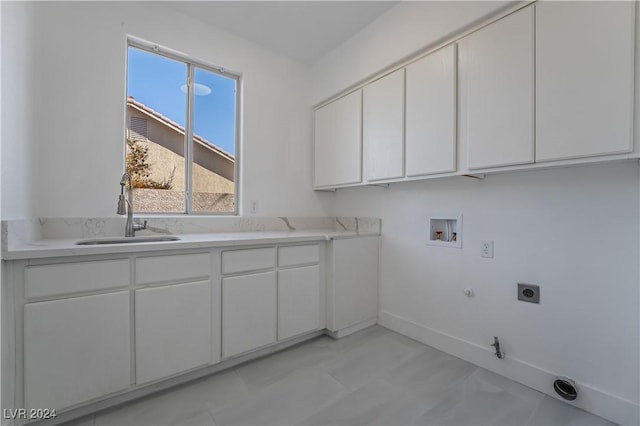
(182, 133)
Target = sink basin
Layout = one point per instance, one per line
(128, 240)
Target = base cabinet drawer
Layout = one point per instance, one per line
(173, 329)
(76, 349)
(248, 260)
(298, 301)
(68, 278)
(249, 312)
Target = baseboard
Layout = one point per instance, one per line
(593, 400)
(351, 329)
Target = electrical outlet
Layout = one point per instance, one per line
(486, 249)
(254, 206)
(529, 293)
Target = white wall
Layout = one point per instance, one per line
(573, 231)
(404, 30)
(19, 109)
(81, 57)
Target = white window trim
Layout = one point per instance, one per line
(193, 63)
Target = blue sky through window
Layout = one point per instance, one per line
(158, 82)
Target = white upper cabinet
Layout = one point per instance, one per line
(383, 127)
(496, 66)
(584, 78)
(338, 142)
(430, 114)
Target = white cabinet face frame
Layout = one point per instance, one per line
(431, 113)
(584, 79)
(338, 142)
(383, 127)
(496, 78)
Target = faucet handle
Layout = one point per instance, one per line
(138, 227)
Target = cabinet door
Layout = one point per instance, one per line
(173, 329)
(431, 114)
(584, 78)
(353, 293)
(338, 142)
(496, 92)
(248, 312)
(383, 124)
(298, 301)
(76, 349)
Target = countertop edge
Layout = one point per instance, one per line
(66, 247)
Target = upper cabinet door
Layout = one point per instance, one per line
(338, 142)
(496, 92)
(584, 78)
(431, 114)
(383, 123)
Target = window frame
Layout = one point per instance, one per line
(192, 64)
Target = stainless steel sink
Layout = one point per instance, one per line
(128, 240)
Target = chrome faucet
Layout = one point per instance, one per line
(126, 207)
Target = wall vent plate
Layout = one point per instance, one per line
(529, 293)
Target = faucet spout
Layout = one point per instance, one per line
(125, 206)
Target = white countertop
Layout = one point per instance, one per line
(61, 247)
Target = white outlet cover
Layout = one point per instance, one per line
(486, 249)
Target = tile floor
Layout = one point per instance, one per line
(374, 377)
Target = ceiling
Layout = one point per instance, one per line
(303, 30)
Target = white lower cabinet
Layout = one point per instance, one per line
(352, 293)
(249, 312)
(173, 313)
(173, 329)
(76, 349)
(299, 294)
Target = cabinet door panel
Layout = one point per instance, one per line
(76, 349)
(354, 291)
(584, 79)
(383, 124)
(431, 114)
(496, 92)
(338, 141)
(298, 301)
(173, 329)
(248, 312)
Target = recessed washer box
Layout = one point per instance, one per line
(445, 231)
